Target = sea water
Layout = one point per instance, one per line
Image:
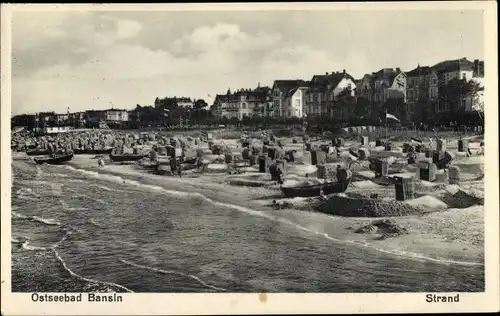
(73, 228)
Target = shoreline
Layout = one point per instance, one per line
(440, 236)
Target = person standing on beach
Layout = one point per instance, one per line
(179, 170)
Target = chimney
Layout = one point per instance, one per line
(398, 69)
(326, 73)
(343, 71)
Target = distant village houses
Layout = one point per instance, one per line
(425, 93)
(244, 103)
(183, 102)
(324, 90)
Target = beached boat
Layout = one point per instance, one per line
(54, 160)
(103, 151)
(314, 190)
(190, 160)
(38, 152)
(126, 157)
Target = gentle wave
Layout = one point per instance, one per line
(400, 253)
(58, 256)
(87, 196)
(17, 215)
(47, 221)
(103, 187)
(173, 272)
(96, 224)
(19, 241)
(28, 247)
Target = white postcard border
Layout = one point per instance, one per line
(290, 303)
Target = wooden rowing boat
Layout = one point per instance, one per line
(126, 157)
(39, 152)
(56, 160)
(314, 190)
(103, 151)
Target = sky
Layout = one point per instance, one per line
(101, 59)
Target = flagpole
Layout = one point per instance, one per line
(386, 125)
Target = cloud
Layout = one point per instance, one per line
(208, 52)
(125, 28)
(87, 60)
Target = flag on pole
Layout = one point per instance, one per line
(353, 155)
(416, 140)
(390, 116)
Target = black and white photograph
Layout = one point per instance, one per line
(245, 149)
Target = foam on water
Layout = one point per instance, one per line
(197, 279)
(401, 253)
(47, 221)
(58, 256)
(26, 246)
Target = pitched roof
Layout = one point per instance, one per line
(260, 93)
(293, 90)
(285, 86)
(328, 81)
(419, 71)
(386, 75)
(221, 98)
(454, 65)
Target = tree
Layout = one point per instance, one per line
(344, 105)
(455, 92)
(456, 89)
(200, 104)
(362, 108)
(396, 106)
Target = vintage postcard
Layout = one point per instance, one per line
(249, 158)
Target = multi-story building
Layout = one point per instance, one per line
(453, 69)
(422, 88)
(382, 85)
(281, 93)
(475, 102)
(62, 118)
(183, 102)
(266, 106)
(116, 115)
(388, 83)
(95, 116)
(293, 102)
(424, 85)
(323, 91)
(364, 87)
(242, 103)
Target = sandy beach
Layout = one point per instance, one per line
(442, 231)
